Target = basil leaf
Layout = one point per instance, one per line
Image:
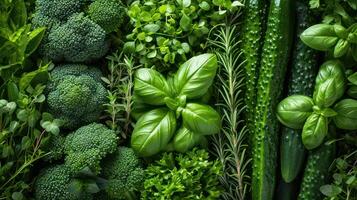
(196, 75)
(341, 48)
(329, 92)
(314, 131)
(346, 117)
(352, 92)
(153, 132)
(294, 110)
(320, 37)
(329, 69)
(151, 86)
(185, 140)
(201, 119)
(353, 78)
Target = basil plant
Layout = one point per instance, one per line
(312, 114)
(170, 112)
(335, 38)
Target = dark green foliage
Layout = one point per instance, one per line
(108, 14)
(124, 174)
(88, 145)
(183, 177)
(75, 94)
(77, 40)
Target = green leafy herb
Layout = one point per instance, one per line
(183, 176)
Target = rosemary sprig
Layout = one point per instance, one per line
(120, 93)
(231, 145)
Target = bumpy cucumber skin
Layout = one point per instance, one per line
(303, 73)
(252, 37)
(275, 55)
(316, 172)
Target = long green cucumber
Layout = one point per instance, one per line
(316, 172)
(275, 55)
(303, 73)
(252, 37)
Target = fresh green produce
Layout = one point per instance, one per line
(275, 54)
(166, 33)
(316, 172)
(183, 176)
(120, 83)
(352, 91)
(302, 76)
(17, 38)
(254, 13)
(53, 183)
(231, 145)
(155, 129)
(124, 174)
(76, 94)
(77, 29)
(88, 145)
(346, 116)
(301, 112)
(344, 185)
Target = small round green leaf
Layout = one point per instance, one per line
(185, 140)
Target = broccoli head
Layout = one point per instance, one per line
(108, 14)
(77, 40)
(75, 94)
(124, 174)
(53, 182)
(88, 145)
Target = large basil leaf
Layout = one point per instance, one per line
(201, 119)
(329, 69)
(185, 140)
(294, 110)
(329, 92)
(346, 117)
(195, 76)
(320, 37)
(314, 131)
(153, 132)
(151, 86)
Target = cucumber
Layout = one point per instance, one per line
(253, 32)
(275, 55)
(316, 172)
(303, 73)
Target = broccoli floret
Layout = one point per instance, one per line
(75, 94)
(77, 40)
(53, 183)
(108, 14)
(88, 145)
(54, 145)
(124, 174)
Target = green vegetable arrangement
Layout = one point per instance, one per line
(312, 115)
(157, 130)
